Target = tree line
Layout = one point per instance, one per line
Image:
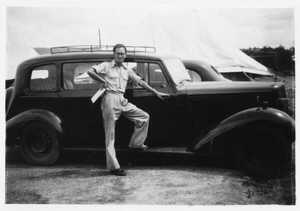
(280, 59)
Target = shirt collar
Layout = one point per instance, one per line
(113, 64)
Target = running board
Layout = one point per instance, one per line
(174, 150)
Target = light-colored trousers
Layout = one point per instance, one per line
(113, 105)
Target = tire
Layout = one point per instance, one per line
(39, 144)
(265, 153)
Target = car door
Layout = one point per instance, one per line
(168, 118)
(82, 119)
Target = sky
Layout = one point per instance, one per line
(28, 27)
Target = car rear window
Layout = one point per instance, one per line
(43, 78)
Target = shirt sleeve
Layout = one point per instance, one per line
(100, 68)
(134, 77)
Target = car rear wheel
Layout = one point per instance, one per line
(40, 144)
(264, 153)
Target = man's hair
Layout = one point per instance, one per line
(119, 46)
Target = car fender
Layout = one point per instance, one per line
(15, 125)
(247, 116)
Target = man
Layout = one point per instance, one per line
(115, 75)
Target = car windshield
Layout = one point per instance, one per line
(177, 70)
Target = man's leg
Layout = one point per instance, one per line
(111, 159)
(141, 124)
(110, 115)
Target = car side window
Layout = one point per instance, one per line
(156, 76)
(149, 72)
(141, 69)
(43, 78)
(75, 76)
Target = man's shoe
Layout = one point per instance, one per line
(118, 172)
(142, 148)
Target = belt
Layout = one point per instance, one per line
(101, 92)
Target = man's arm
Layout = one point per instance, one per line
(137, 79)
(160, 95)
(91, 72)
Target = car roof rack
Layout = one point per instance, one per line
(101, 48)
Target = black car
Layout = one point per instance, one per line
(49, 110)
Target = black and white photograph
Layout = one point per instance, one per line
(149, 103)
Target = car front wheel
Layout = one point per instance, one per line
(39, 144)
(264, 153)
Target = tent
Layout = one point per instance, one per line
(199, 36)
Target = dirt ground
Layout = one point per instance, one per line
(81, 179)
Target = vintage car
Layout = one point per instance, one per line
(206, 73)
(49, 110)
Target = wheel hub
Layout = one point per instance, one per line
(39, 143)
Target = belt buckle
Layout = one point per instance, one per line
(124, 102)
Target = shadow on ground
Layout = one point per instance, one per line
(125, 158)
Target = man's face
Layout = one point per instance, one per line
(119, 55)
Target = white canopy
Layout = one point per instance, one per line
(200, 36)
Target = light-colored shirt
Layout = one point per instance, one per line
(116, 77)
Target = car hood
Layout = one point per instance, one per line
(211, 87)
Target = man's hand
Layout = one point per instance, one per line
(161, 95)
